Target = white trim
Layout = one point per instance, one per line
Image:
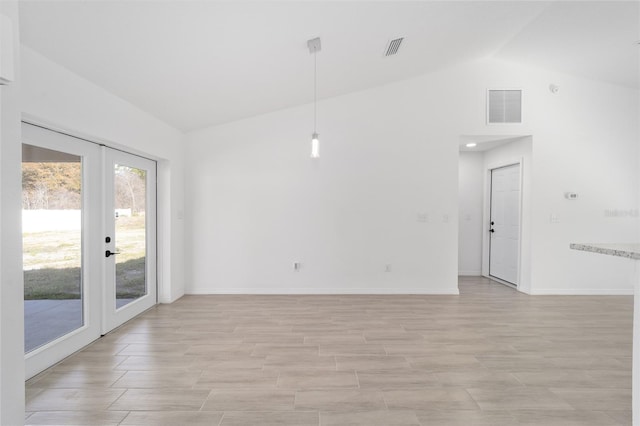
(635, 341)
(87, 137)
(477, 273)
(7, 56)
(582, 292)
(323, 291)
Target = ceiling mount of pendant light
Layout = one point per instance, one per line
(314, 47)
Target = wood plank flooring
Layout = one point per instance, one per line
(491, 356)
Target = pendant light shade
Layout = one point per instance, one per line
(315, 145)
(314, 47)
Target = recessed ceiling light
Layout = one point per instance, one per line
(471, 145)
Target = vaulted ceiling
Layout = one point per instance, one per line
(194, 64)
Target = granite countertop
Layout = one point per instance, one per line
(628, 250)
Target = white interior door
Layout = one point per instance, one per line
(62, 214)
(129, 245)
(504, 245)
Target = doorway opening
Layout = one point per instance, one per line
(494, 184)
(89, 242)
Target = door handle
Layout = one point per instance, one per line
(490, 230)
(110, 253)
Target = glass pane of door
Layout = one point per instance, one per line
(52, 193)
(130, 196)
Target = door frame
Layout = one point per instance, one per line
(486, 218)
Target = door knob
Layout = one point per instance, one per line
(490, 230)
(110, 253)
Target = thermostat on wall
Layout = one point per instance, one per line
(570, 195)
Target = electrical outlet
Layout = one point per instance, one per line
(445, 218)
(423, 217)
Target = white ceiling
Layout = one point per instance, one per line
(198, 63)
(595, 39)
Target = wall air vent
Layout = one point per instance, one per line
(393, 46)
(504, 106)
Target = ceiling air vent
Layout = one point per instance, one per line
(393, 46)
(504, 106)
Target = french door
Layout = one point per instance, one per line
(82, 201)
(130, 237)
(61, 222)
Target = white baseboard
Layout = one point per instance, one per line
(168, 301)
(581, 292)
(477, 273)
(324, 291)
(404, 291)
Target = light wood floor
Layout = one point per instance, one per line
(491, 356)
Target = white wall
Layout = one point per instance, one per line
(470, 214)
(512, 153)
(586, 142)
(584, 139)
(11, 285)
(54, 96)
(256, 203)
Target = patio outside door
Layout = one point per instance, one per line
(89, 242)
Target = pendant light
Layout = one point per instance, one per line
(314, 47)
